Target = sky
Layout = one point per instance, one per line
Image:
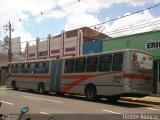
(38, 18)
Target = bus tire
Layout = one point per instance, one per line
(90, 93)
(14, 85)
(41, 88)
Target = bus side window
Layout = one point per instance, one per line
(92, 63)
(37, 70)
(117, 62)
(20, 68)
(80, 65)
(105, 62)
(25, 68)
(46, 67)
(69, 66)
(15, 68)
(28, 68)
(41, 67)
(11, 68)
(33, 67)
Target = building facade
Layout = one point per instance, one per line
(66, 44)
(16, 51)
(148, 41)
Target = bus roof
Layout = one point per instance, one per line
(108, 52)
(39, 60)
(93, 54)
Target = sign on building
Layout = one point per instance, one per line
(153, 45)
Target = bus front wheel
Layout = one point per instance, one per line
(91, 93)
(41, 88)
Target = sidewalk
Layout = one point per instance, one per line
(154, 99)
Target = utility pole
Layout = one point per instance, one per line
(9, 28)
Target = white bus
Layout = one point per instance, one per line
(110, 74)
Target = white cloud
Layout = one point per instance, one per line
(83, 13)
(14, 10)
(142, 2)
(137, 23)
(78, 13)
(80, 20)
(51, 14)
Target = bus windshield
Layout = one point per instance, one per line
(142, 60)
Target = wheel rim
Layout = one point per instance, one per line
(41, 88)
(14, 85)
(91, 94)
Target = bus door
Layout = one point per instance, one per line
(142, 71)
(56, 67)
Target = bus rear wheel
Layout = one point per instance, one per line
(41, 88)
(14, 85)
(90, 93)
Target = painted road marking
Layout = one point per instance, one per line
(7, 103)
(153, 109)
(3, 86)
(44, 113)
(2, 92)
(42, 99)
(111, 111)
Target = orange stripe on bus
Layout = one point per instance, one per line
(86, 76)
(136, 76)
(31, 76)
(80, 78)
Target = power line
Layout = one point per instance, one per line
(132, 27)
(157, 5)
(41, 13)
(129, 14)
(148, 24)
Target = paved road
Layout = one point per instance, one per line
(13, 101)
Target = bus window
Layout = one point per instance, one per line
(41, 67)
(20, 68)
(117, 62)
(92, 64)
(28, 65)
(80, 65)
(26, 70)
(46, 67)
(33, 67)
(105, 62)
(12, 68)
(15, 68)
(47, 64)
(37, 65)
(69, 66)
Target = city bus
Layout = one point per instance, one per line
(111, 75)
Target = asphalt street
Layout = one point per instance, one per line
(69, 107)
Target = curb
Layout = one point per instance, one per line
(140, 101)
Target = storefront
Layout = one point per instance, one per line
(148, 41)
